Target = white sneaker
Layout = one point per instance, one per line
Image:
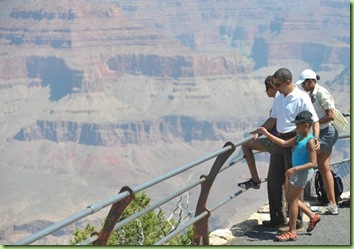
(329, 209)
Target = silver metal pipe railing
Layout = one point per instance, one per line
(95, 207)
(148, 209)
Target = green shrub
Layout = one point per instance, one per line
(145, 230)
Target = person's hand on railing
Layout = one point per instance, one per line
(256, 134)
(263, 131)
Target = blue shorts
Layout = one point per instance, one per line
(328, 137)
(301, 178)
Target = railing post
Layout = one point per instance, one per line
(112, 218)
(201, 227)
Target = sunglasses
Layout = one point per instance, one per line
(278, 84)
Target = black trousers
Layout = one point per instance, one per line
(280, 161)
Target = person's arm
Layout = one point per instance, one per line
(316, 133)
(316, 129)
(269, 124)
(283, 143)
(328, 118)
(315, 126)
(326, 101)
(307, 105)
(310, 145)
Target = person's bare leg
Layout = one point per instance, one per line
(323, 162)
(249, 156)
(293, 198)
(306, 210)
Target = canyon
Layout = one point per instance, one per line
(96, 95)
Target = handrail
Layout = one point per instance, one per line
(95, 207)
(170, 197)
(106, 202)
(202, 215)
(151, 207)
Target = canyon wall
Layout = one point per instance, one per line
(97, 94)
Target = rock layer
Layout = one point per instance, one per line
(100, 94)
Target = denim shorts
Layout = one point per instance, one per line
(328, 137)
(301, 178)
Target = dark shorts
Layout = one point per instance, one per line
(267, 144)
(328, 137)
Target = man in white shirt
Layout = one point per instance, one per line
(290, 102)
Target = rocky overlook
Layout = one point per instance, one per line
(95, 90)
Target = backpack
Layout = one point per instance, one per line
(321, 191)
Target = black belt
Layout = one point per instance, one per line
(288, 134)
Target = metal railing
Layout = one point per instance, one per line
(120, 201)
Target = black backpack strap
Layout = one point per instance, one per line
(319, 187)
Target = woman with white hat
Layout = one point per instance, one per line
(324, 105)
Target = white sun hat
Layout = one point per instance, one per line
(306, 74)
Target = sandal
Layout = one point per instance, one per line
(288, 236)
(313, 222)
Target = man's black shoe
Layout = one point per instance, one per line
(269, 223)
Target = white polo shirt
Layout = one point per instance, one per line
(285, 109)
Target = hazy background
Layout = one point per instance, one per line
(96, 95)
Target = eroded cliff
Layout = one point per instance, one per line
(105, 92)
